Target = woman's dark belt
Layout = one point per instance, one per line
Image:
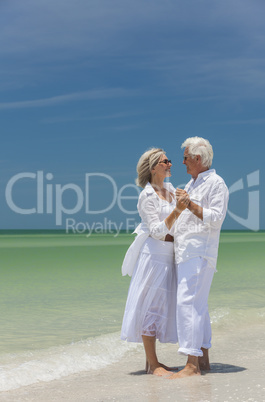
(169, 238)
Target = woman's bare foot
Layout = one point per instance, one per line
(168, 368)
(161, 365)
(159, 371)
(152, 364)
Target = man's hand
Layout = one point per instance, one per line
(180, 193)
(182, 202)
(194, 208)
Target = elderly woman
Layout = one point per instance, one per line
(150, 311)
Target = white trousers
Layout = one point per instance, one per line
(194, 327)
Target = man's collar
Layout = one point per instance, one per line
(204, 175)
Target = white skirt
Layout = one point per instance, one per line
(151, 303)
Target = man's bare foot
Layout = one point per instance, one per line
(204, 363)
(188, 371)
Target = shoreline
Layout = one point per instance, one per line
(237, 374)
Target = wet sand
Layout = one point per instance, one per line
(238, 374)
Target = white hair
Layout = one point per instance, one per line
(146, 163)
(200, 146)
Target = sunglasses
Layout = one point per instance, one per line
(165, 161)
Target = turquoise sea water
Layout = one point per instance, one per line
(62, 299)
(56, 289)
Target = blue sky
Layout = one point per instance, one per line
(88, 86)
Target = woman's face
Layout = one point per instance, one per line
(162, 169)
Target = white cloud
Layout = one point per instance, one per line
(66, 98)
(78, 118)
(257, 121)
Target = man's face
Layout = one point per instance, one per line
(191, 163)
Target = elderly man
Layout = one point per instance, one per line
(196, 247)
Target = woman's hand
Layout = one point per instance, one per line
(180, 192)
(182, 202)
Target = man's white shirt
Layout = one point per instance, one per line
(200, 238)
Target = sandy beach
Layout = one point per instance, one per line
(237, 375)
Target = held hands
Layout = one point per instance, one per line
(183, 199)
(180, 192)
(183, 202)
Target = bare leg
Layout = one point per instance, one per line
(204, 360)
(152, 366)
(191, 368)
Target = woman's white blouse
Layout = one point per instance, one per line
(153, 212)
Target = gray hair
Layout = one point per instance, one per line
(200, 146)
(146, 163)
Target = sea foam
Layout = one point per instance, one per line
(28, 368)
